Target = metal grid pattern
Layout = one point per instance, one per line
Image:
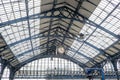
(28, 36)
(57, 66)
(49, 67)
(97, 39)
(33, 28)
(21, 30)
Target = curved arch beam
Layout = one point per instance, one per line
(43, 55)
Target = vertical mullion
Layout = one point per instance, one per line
(21, 16)
(28, 22)
(50, 25)
(16, 24)
(5, 10)
(37, 68)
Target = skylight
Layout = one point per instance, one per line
(46, 66)
(19, 35)
(107, 16)
(21, 39)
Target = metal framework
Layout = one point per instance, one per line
(31, 30)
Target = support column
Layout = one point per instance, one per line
(12, 74)
(2, 70)
(114, 62)
(102, 70)
(3, 66)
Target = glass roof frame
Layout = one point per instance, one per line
(88, 43)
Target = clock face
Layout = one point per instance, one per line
(61, 50)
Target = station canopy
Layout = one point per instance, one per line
(89, 30)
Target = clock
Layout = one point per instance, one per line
(61, 50)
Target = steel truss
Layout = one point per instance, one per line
(73, 17)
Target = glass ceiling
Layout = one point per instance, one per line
(13, 9)
(106, 16)
(55, 66)
(19, 36)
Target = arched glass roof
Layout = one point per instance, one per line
(49, 67)
(32, 29)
